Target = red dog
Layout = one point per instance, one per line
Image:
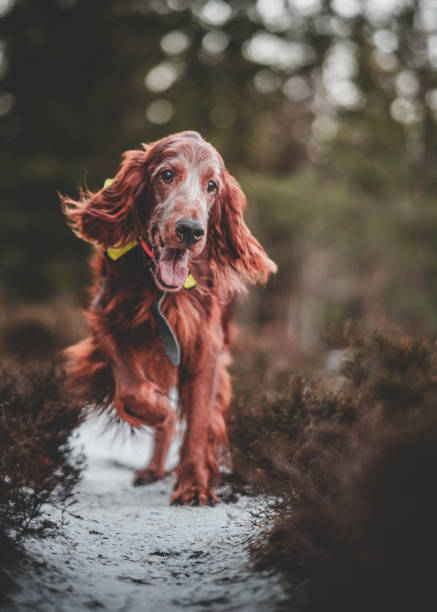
(172, 218)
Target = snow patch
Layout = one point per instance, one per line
(126, 549)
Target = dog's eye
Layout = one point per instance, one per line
(167, 176)
(211, 186)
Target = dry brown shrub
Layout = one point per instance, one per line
(37, 466)
(356, 468)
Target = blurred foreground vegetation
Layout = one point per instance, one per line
(354, 527)
(37, 464)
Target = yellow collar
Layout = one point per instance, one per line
(116, 252)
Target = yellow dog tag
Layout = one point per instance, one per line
(190, 283)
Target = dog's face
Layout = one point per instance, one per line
(176, 195)
(186, 180)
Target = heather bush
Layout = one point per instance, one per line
(36, 462)
(355, 466)
(278, 422)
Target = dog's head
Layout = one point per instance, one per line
(177, 195)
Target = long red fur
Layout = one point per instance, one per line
(122, 364)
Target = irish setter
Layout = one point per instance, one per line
(172, 213)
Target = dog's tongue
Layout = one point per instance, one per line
(173, 266)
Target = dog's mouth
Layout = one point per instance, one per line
(170, 265)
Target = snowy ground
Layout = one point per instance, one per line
(125, 549)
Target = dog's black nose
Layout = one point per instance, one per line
(189, 231)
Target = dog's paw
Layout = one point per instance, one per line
(145, 477)
(194, 495)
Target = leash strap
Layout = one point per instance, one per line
(168, 337)
(166, 333)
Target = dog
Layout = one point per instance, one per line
(172, 253)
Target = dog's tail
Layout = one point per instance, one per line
(89, 375)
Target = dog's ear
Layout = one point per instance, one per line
(108, 217)
(231, 244)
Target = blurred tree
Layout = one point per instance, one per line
(346, 86)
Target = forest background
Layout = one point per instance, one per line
(325, 111)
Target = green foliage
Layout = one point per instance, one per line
(74, 97)
(380, 237)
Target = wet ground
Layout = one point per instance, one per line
(125, 549)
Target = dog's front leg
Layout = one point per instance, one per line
(194, 473)
(140, 402)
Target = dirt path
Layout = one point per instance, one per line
(126, 549)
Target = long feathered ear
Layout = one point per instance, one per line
(109, 216)
(235, 253)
